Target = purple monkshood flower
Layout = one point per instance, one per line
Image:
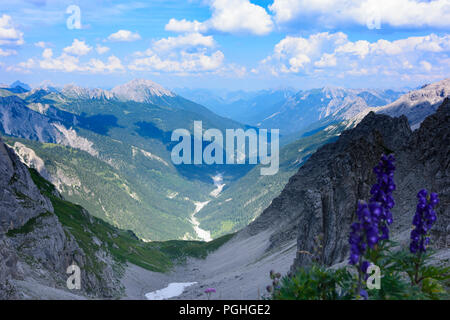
(364, 233)
(382, 193)
(374, 217)
(423, 220)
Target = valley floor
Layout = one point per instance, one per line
(237, 270)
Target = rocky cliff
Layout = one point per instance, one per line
(416, 105)
(35, 248)
(319, 201)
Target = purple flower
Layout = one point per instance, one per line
(382, 194)
(375, 217)
(364, 266)
(365, 232)
(423, 221)
(364, 294)
(210, 290)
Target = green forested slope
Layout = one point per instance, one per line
(243, 201)
(123, 245)
(146, 203)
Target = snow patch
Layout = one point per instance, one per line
(174, 289)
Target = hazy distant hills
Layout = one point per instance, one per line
(248, 107)
(292, 111)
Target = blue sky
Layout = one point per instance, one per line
(230, 44)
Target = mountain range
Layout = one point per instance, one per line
(244, 200)
(120, 138)
(72, 152)
(121, 145)
(292, 111)
(309, 221)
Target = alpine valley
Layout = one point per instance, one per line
(86, 176)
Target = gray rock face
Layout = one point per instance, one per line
(320, 200)
(20, 199)
(416, 105)
(35, 245)
(19, 121)
(50, 249)
(8, 269)
(326, 104)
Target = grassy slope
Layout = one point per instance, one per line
(108, 192)
(122, 244)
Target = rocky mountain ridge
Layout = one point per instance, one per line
(416, 104)
(319, 201)
(290, 110)
(34, 245)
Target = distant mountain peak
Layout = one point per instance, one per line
(48, 86)
(18, 83)
(141, 90)
(74, 91)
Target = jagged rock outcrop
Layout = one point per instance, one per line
(18, 120)
(329, 104)
(31, 159)
(20, 199)
(8, 269)
(416, 105)
(35, 246)
(321, 198)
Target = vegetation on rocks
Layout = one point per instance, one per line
(403, 273)
(91, 233)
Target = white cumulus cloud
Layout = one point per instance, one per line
(23, 66)
(339, 56)
(231, 16)
(78, 48)
(184, 25)
(294, 54)
(7, 52)
(183, 41)
(111, 65)
(184, 63)
(185, 54)
(40, 44)
(398, 13)
(9, 35)
(124, 36)
(101, 49)
(70, 63)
